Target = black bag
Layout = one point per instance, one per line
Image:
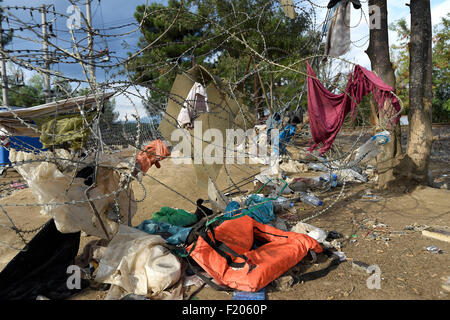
(41, 269)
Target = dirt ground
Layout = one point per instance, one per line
(374, 232)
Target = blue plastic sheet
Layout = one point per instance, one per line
(259, 209)
(284, 137)
(172, 234)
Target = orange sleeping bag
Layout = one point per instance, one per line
(226, 253)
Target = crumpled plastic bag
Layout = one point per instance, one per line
(137, 262)
(293, 166)
(154, 152)
(316, 233)
(51, 186)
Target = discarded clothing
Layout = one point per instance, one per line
(196, 102)
(356, 3)
(172, 234)
(42, 268)
(284, 138)
(338, 35)
(67, 128)
(228, 257)
(137, 262)
(327, 110)
(154, 152)
(259, 209)
(176, 217)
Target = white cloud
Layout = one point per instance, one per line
(439, 11)
(129, 101)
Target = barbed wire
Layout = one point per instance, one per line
(248, 33)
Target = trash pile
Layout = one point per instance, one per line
(240, 242)
(250, 244)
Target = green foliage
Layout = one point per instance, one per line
(230, 38)
(7, 37)
(29, 95)
(441, 71)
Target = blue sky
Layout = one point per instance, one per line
(114, 13)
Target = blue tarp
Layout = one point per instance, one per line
(284, 137)
(262, 213)
(173, 234)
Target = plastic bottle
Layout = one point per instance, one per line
(303, 184)
(326, 178)
(317, 166)
(283, 204)
(309, 199)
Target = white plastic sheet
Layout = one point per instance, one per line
(53, 185)
(137, 262)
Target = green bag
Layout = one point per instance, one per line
(176, 217)
(67, 128)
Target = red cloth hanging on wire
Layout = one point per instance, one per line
(152, 154)
(327, 110)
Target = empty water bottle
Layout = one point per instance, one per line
(309, 199)
(282, 204)
(326, 178)
(317, 166)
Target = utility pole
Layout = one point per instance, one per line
(46, 58)
(3, 64)
(90, 40)
(92, 66)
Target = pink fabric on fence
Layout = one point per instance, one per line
(327, 111)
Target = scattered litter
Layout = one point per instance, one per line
(317, 167)
(244, 295)
(310, 198)
(434, 249)
(314, 232)
(446, 285)
(360, 265)
(437, 234)
(292, 166)
(340, 255)
(372, 147)
(193, 280)
(132, 296)
(371, 197)
(19, 186)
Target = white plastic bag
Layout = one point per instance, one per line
(314, 232)
(138, 263)
(53, 187)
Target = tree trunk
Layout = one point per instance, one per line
(420, 135)
(378, 52)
